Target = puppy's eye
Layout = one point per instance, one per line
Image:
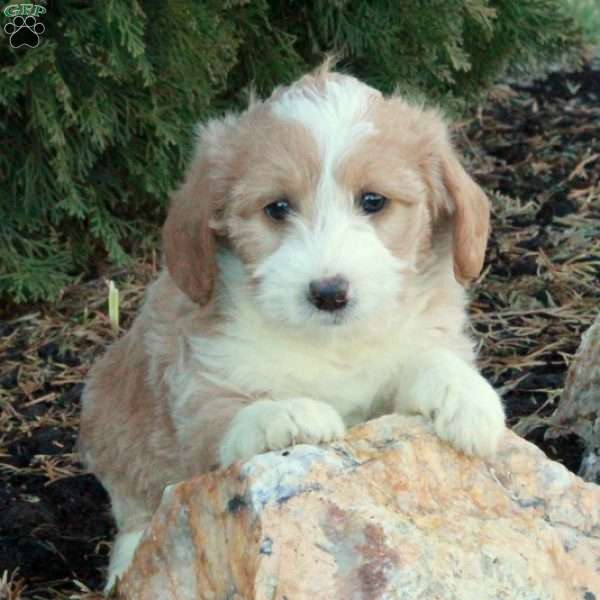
(278, 210)
(371, 202)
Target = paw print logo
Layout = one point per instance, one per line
(24, 31)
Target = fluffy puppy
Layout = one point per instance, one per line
(316, 258)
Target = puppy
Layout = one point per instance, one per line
(316, 258)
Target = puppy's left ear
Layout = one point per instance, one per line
(470, 208)
(189, 241)
(190, 246)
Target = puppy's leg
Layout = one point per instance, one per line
(269, 425)
(466, 410)
(131, 517)
(124, 548)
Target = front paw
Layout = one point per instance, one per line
(470, 415)
(270, 425)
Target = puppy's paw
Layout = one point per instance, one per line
(269, 425)
(470, 415)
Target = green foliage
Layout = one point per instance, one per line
(96, 122)
(449, 49)
(97, 119)
(587, 15)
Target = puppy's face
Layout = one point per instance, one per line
(328, 193)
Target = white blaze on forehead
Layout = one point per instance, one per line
(334, 114)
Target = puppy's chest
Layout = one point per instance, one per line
(349, 378)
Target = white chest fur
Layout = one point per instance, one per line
(259, 359)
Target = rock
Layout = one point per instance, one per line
(579, 408)
(390, 512)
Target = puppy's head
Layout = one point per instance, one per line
(329, 194)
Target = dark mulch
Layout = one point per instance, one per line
(55, 524)
(536, 145)
(540, 290)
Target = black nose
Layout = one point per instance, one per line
(329, 294)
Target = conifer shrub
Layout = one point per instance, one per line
(97, 119)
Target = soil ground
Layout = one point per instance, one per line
(533, 145)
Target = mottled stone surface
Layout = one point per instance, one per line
(579, 408)
(390, 512)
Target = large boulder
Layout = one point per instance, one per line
(389, 512)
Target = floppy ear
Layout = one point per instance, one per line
(471, 217)
(190, 247)
(188, 241)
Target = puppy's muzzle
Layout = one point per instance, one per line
(329, 294)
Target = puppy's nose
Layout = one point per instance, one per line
(330, 293)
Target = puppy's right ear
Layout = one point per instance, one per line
(188, 240)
